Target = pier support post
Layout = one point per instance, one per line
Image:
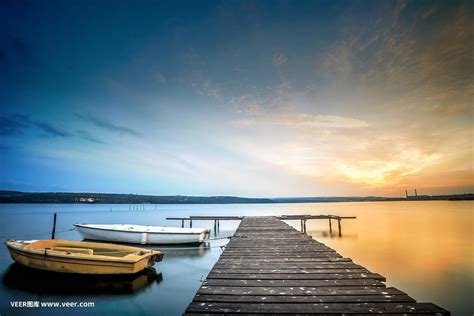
(330, 227)
(304, 226)
(190, 223)
(54, 225)
(301, 225)
(215, 227)
(182, 223)
(218, 224)
(339, 225)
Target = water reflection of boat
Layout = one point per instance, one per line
(183, 250)
(31, 280)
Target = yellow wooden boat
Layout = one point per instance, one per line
(82, 257)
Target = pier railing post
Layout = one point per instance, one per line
(53, 233)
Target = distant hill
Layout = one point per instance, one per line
(111, 198)
(335, 199)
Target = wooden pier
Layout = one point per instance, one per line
(268, 267)
(302, 218)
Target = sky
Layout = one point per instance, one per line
(247, 98)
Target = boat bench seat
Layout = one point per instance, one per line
(86, 251)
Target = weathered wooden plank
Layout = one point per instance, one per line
(270, 234)
(269, 256)
(322, 252)
(315, 308)
(288, 271)
(283, 243)
(259, 245)
(272, 244)
(295, 276)
(287, 266)
(298, 291)
(313, 253)
(281, 250)
(302, 299)
(287, 245)
(280, 260)
(294, 283)
(266, 228)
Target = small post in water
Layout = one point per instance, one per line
(54, 225)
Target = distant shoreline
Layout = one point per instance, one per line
(111, 198)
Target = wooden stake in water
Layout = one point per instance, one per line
(54, 225)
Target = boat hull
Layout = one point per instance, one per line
(51, 261)
(144, 238)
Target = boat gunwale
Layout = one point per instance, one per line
(82, 257)
(141, 232)
(51, 258)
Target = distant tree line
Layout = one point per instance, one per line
(110, 198)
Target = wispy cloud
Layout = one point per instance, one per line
(87, 136)
(206, 87)
(279, 59)
(107, 125)
(159, 77)
(13, 124)
(305, 120)
(53, 129)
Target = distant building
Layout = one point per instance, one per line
(85, 200)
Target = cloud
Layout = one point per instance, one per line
(246, 105)
(53, 130)
(87, 136)
(337, 62)
(429, 12)
(13, 124)
(107, 125)
(305, 120)
(279, 59)
(206, 87)
(159, 77)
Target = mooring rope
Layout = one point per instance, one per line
(62, 230)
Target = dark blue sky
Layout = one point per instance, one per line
(236, 97)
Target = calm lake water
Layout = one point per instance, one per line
(423, 248)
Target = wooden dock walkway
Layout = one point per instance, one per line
(268, 267)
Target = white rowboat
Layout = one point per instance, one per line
(140, 234)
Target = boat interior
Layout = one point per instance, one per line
(82, 248)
